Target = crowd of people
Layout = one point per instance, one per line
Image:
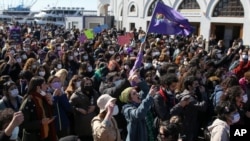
(54, 86)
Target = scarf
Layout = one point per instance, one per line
(150, 127)
(46, 131)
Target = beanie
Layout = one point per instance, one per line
(125, 95)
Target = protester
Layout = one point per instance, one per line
(104, 125)
(38, 114)
(9, 122)
(226, 115)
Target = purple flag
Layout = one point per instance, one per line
(166, 20)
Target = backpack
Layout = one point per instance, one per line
(212, 103)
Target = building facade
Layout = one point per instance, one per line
(224, 19)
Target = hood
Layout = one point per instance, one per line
(216, 123)
(218, 88)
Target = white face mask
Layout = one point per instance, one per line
(111, 52)
(115, 110)
(235, 118)
(117, 83)
(33, 66)
(244, 56)
(75, 54)
(85, 57)
(244, 98)
(70, 58)
(90, 69)
(42, 93)
(24, 57)
(19, 60)
(14, 134)
(78, 84)
(14, 93)
(59, 66)
(118, 60)
(42, 73)
(218, 55)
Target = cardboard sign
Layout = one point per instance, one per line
(123, 40)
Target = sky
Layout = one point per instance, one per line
(87, 4)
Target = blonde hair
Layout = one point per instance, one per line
(62, 74)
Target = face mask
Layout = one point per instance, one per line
(19, 60)
(147, 65)
(218, 55)
(111, 52)
(26, 49)
(167, 53)
(126, 67)
(244, 56)
(59, 66)
(42, 73)
(12, 52)
(115, 110)
(90, 69)
(33, 66)
(42, 93)
(14, 93)
(244, 98)
(24, 57)
(78, 84)
(70, 57)
(235, 117)
(118, 60)
(155, 53)
(14, 133)
(56, 85)
(75, 54)
(117, 83)
(58, 48)
(88, 88)
(85, 57)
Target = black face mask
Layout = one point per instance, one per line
(88, 88)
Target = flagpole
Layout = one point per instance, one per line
(157, 1)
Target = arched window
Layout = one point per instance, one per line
(189, 4)
(151, 8)
(228, 8)
(132, 8)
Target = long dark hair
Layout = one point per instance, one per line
(34, 82)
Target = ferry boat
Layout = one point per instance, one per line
(20, 13)
(56, 15)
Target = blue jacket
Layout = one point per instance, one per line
(62, 109)
(136, 122)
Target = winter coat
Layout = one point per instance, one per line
(219, 130)
(105, 132)
(189, 115)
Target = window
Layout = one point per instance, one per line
(151, 8)
(132, 8)
(189, 4)
(228, 8)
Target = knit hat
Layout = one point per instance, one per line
(103, 100)
(125, 95)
